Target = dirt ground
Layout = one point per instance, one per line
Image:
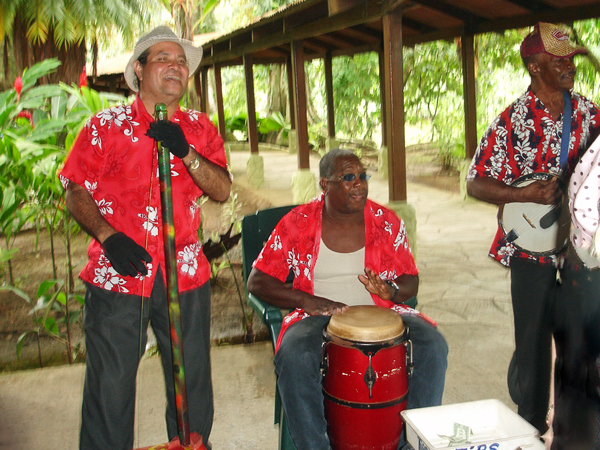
(32, 265)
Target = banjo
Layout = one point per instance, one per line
(538, 230)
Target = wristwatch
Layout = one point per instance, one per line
(195, 163)
(394, 286)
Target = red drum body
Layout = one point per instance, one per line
(366, 380)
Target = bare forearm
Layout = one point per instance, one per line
(545, 192)
(208, 176)
(273, 291)
(84, 210)
(492, 191)
(408, 287)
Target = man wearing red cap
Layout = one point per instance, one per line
(527, 138)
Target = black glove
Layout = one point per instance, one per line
(125, 255)
(171, 135)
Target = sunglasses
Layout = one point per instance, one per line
(349, 177)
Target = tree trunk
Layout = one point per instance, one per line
(27, 54)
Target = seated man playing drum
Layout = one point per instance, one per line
(343, 250)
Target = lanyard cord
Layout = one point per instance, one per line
(566, 131)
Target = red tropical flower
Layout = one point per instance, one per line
(18, 87)
(83, 78)
(26, 115)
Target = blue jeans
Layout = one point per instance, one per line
(298, 361)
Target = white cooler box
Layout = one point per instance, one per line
(493, 427)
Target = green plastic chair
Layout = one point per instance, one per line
(256, 229)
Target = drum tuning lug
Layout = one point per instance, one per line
(324, 358)
(324, 365)
(409, 358)
(370, 377)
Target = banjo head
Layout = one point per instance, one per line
(521, 222)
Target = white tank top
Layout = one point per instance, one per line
(336, 276)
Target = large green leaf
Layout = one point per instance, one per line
(45, 286)
(21, 341)
(45, 67)
(51, 326)
(7, 255)
(58, 106)
(44, 91)
(17, 292)
(45, 130)
(92, 99)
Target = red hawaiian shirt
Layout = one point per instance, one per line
(118, 165)
(294, 245)
(525, 139)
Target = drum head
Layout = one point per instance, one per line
(366, 323)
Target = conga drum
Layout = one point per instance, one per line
(365, 378)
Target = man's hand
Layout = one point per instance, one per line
(543, 192)
(319, 306)
(375, 285)
(125, 255)
(171, 136)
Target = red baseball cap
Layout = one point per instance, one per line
(548, 38)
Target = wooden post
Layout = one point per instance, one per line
(394, 80)
(204, 96)
(467, 52)
(328, 63)
(251, 105)
(290, 75)
(382, 94)
(300, 102)
(219, 94)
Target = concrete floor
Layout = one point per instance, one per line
(461, 288)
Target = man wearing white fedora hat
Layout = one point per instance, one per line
(112, 191)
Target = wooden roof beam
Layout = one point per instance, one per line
(451, 10)
(268, 29)
(363, 34)
(317, 11)
(338, 42)
(338, 6)
(445, 34)
(419, 27)
(241, 39)
(567, 15)
(238, 46)
(534, 6)
(314, 45)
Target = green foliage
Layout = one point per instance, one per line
(274, 122)
(356, 98)
(50, 314)
(70, 22)
(238, 124)
(588, 67)
(234, 89)
(37, 125)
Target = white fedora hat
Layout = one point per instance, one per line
(161, 34)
